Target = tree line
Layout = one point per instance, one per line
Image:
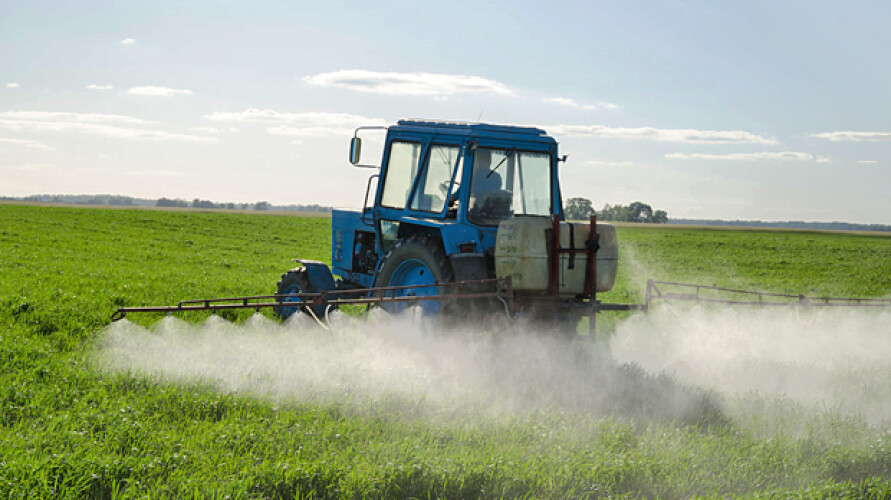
(129, 201)
(582, 208)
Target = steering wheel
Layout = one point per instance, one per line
(444, 186)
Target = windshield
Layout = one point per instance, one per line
(507, 182)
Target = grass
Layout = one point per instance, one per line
(70, 429)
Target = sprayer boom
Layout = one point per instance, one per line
(713, 294)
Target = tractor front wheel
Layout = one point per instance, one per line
(293, 282)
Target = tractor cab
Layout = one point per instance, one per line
(456, 182)
(441, 191)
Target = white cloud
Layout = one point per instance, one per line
(693, 136)
(35, 167)
(310, 131)
(572, 103)
(408, 84)
(116, 126)
(24, 143)
(151, 90)
(205, 130)
(153, 173)
(62, 116)
(569, 102)
(868, 162)
(763, 155)
(12, 85)
(128, 41)
(599, 163)
(93, 86)
(308, 124)
(839, 136)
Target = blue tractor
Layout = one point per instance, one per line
(454, 209)
(468, 216)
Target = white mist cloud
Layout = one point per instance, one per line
(867, 162)
(831, 357)
(390, 360)
(151, 90)
(128, 41)
(408, 84)
(116, 126)
(764, 155)
(93, 86)
(852, 136)
(12, 85)
(693, 136)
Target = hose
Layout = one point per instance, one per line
(311, 313)
(507, 309)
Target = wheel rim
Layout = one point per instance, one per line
(414, 272)
(287, 311)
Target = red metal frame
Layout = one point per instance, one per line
(555, 251)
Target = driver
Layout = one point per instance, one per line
(483, 181)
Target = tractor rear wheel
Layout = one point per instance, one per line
(416, 260)
(294, 281)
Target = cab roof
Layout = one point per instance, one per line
(482, 130)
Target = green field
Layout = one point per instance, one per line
(77, 422)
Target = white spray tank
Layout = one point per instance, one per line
(521, 252)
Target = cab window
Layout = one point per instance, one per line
(402, 166)
(433, 186)
(508, 182)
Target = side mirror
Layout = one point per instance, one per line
(355, 150)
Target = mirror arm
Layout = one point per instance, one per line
(356, 147)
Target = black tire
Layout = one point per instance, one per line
(422, 249)
(295, 281)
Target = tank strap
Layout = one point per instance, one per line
(571, 246)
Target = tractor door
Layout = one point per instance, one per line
(419, 181)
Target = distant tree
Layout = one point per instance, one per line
(659, 217)
(578, 208)
(614, 212)
(167, 202)
(262, 205)
(639, 212)
(120, 200)
(635, 212)
(198, 203)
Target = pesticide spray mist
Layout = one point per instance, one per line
(831, 358)
(673, 365)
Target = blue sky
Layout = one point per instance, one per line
(735, 110)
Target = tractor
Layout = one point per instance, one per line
(455, 209)
(467, 217)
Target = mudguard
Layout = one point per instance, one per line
(319, 275)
